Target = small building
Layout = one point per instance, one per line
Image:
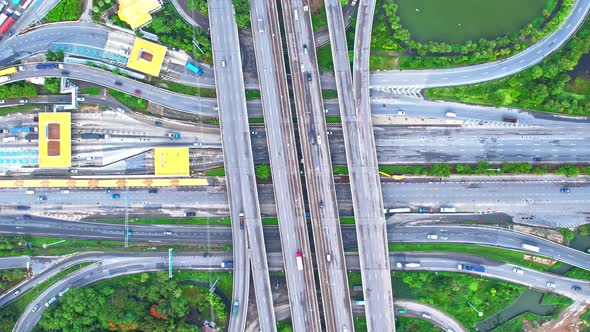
(146, 57)
(137, 12)
(55, 140)
(171, 161)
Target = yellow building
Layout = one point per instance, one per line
(171, 161)
(55, 140)
(137, 12)
(146, 57)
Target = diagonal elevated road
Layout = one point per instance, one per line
(239, 167)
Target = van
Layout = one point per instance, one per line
(260, 27)
(450, 115)
(65, 191)
(30, 192)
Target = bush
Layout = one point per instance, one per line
(263, 171)
(54, 56)
(17, 90)
(52, 84)
(568, 170)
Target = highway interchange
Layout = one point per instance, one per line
(397, 136)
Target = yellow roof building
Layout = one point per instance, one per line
(55, 140)
(146, 57)
(171, 161)
(137, 12)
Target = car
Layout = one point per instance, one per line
(190, 214)
(2, 101)
(309, 77)
(223, 63)
(65, 73)
(551, 285)
(42, 198)
(35, 308)
(401, 311)
(576, 288)
(117, 83)
(16, 292)
(81, 99)
(432, 237)
(115, 196)
(73, 170)
(11, 32)
(158, 123)
(518, 271)
(565, 190)
(425, 315)
(401, 113)
(305, 51)
(137, 92)
(108, 191)
(277, 283)
(124, 52)
(153, 191)
(90, 158)
(537, 159)
(168, 232)
(24, 101)
(321, 204)
(450, 115)
(65, 191)
(175, 49)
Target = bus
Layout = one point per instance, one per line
(194, 68)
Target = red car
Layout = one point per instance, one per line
(138, 92)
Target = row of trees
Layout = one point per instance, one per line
(540, 87)
(470, 51)
(17, 90)
(144, 302)
(175, 32)
(484, 168)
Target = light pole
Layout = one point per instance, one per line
(479, 313)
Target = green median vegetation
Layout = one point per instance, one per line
(11, 312)
(584, 230)
(495, 253)
(134, 103)
(188, 90)
(542, 87)
(319, 19)
(144, 301)
(170, 221)
(481, 168)
(284, 326)
(578, 273)
(91, 91)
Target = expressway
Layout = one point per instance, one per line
(323, 207)
(488, 71)
(284, 162)
(115, 264)
(248, 245)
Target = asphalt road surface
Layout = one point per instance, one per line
(487, 71)
(239, 169)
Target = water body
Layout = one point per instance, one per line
(457, 21)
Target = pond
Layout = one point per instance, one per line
(457, 21)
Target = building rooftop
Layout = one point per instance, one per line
(137, 12)
(146, 57)
(171, 161)
(55, 144)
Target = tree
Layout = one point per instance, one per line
(440, 170)
(262, 171)
(54, 55)
(52, 85)
(568, 171)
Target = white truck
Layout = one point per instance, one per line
(400, 210)
(529, 247)
(448, 209)
(299, 259)
(4, 78)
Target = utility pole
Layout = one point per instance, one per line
(170, 263)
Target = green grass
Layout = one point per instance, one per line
(15, 109)
(324, 55)
(284, 326)
(171, 221)
(10, 313)
(411, 324)
(340, 169)
(319, 18)
(360, 324)
(504, 255)
(347, 220)
(577, 273)
(517, 323)
(219, 171)
(189, 90)
(329, 94)
(225, 283)
(333, 119)
(561, 302)
(65, 10)
(134, 103)
(91, 91)
(382, 62)
(584, 229)
(252, 94)
(255, 120)
(270, 220)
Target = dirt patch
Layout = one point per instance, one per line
(315, 5)
(546, 233)
(544, 261)
(568, 320)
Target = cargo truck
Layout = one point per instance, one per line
(174, 135)
(5, 15)
(93, 136)
(475, 268)
(299, 259)
(4, 78)
(305, 5)
(49, 66)
(400, 210)
(241, 216)
(16, 130)
(529, 247)
(510, 119)
(7, 24)
(227, 264)
(8, 139)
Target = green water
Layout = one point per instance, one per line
(457, 21)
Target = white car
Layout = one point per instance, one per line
(550, 285)
(2, 101)
(401, 113)
(81, 99)
(432, 237)
(425, 315)
(518, 271)
(450, 115)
